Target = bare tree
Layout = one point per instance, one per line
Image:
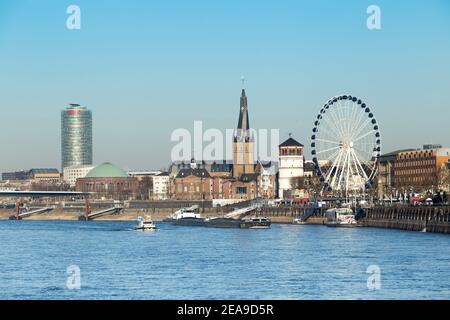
(311, 184)
(145, 186)
(443, 177)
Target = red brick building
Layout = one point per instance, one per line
(110, 182)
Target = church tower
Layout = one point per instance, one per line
(243, 141)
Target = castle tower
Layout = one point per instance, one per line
(290, 165)
(243, 141)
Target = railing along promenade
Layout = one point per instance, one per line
(413, 218)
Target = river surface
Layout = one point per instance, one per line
(41, 259)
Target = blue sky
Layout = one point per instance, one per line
(146, 68)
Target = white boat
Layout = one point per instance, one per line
(340, 217)
(298, 221)
(145, 224)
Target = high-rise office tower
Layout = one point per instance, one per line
(76, 136)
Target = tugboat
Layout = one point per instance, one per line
(145, 224)
(340, 217)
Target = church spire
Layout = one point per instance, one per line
(243, 123)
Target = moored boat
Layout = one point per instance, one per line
(340, 217)
(298, 221)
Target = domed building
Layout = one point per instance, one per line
(108, 181)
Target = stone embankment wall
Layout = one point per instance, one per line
(429, 219)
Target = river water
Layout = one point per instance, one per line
(284, 262)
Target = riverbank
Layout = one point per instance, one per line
(133, 214)
(429, 219)
(126, 215)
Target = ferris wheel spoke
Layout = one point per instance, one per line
(335, 164)
(361, 128)
(366, 152)
(337, 156)
(338, 118)
(360, 165)
(330, 149)
(333, 156)
(359, 118)
(360, 137)
(349, 116)
(359, 172)
(343, 118)
(332, 132)
(366, 162)
(365, 155)
(331, 125)
(342, 170)
(348, 173)
(329, 141)
(336, 122)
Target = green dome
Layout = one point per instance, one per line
(106, 170)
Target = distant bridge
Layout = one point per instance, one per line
(43, 194)
(47, 194)
(96, 214)
(25, 214)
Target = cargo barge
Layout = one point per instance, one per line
(188, 217)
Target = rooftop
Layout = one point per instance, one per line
(107, 170)
(291, 143)
(199, 172)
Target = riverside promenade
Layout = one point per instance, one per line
(413, 218)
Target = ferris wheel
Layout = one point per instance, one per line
(346, 145)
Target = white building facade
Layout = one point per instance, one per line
(291, 163)
(161, 186)
(72, 173)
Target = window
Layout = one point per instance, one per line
(241, 190)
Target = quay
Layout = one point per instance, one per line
(411, 218)
(423, 218)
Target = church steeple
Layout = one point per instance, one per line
(244, 122)
(243, 113)
(243, 141)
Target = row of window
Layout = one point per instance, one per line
(291, 152)
(415, 171)
(415, 163)
(423, 154)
